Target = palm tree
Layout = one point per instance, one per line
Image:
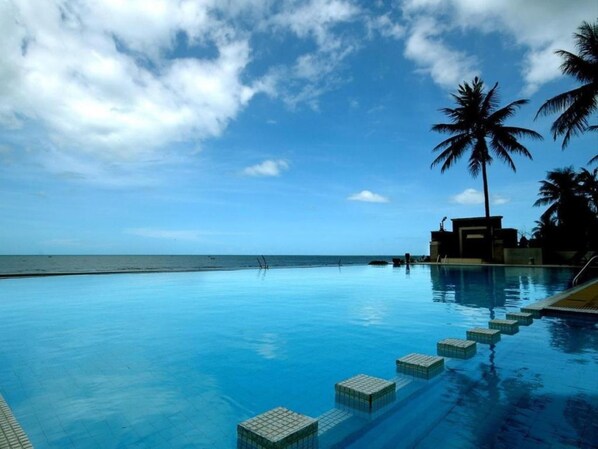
(559, 191)
(567, 195)
(588, 185)
(545, 231)
(588, 188)
(478, 125)
(577, 105)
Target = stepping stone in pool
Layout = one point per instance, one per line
(482, 335)
(456, 348)
(509, 327)
(535, 312)
(11, 433)
(365, 393)
(420, 365)
(278, 428)
(524, 319)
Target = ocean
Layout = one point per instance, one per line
(53, 265)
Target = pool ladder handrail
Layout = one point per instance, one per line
(583, 270)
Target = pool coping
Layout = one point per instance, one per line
(545, 306)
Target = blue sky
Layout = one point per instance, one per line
(261, 126)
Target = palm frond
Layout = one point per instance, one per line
(479, 156)
(560, 102)
(451, 141)
(586, 40)
(447, 128)
(576, 66)
(542, 202)
(451, 154)
(490, 101)
(474, 166)
(573, 121)
(550, 213)
(502, 147)
(577, 105)
(522, 132)
(508, 111)
(476, 125)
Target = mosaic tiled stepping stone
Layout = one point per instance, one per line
(278, 428)
(420, 365)
(481, 335)
(456, 348)
(12, 435)
(508, 327)
(365, 392)
(536, 312)
(524, 319)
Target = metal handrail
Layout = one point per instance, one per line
(585, 267)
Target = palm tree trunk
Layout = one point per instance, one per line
(490, 229)
(485, 181)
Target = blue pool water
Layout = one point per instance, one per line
(176, 360)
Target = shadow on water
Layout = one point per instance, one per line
(581, 416)
(500, 410)
(573, 335)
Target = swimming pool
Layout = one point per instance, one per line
(176, 360)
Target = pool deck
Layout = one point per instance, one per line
(12, 435)
(581, 301)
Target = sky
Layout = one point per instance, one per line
(263, 126)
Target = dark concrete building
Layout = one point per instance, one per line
(477, 238)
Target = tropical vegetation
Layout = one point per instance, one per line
(577, 105)
(571, 219)
(477, 126)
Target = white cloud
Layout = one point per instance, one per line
(385, 26)
(313, 73)
(473, 196)
(268, 167)
(541, 66)
(468, 196)
(96, 74)
(316, 18)
(106, 82)
(498, 200)
(368, 197)
(447, 67)
(537, 26)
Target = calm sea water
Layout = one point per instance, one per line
(123, 264)
(176, 360)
